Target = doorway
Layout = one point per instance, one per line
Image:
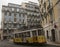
(53, 34)
(47, 35)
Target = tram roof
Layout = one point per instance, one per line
(26, 31)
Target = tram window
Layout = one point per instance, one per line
(24, 34)
(16, 35)
(20, 35)
(34, 33)
(27, 34)
(40, 32)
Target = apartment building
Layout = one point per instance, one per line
(49, 10)
(13, 17)
(56, 7)
(33, 15)
(19, 17)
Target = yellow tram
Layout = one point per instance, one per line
(30, 36)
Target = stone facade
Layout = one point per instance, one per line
(50, 19)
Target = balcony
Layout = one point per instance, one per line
(5, 34)
(5, 28)
(38, 19)
(5, 21)
(30, 9)
(15, 22)
(9, 22)
(10, 28)
(29, 18)
(15, 28)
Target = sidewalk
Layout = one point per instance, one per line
(53, 43)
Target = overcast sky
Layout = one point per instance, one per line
(5, 2)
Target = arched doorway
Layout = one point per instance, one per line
(53, 34)
(47, 35)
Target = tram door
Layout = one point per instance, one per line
(53, 34)
(34, 35)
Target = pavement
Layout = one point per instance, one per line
(53, 43)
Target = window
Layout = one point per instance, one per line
(40, 32)
(9, 20)
(16, 35)
(27, 34)
(24, 34)
(20, 34)
(17, 10)
(46, 19)
(6, 9)
(40, 6)
(44, 5)
(4, 31)
(19, 15)
(22, 10)
(9, 25)
(15, 19)
(15, 15)
(36, 7)
(34, 33)
(51, 12)
(12, 9)
(12, 14)
(10, 31)
(23, 20)
(23, 15)
(47, 34)
(48, 7)
(5, 26)
(5, 13)
(15, 25)
(20, 20)
(9, 13)
(41, 1)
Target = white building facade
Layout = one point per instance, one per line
(19, 17)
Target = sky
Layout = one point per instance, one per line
(5, 2)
